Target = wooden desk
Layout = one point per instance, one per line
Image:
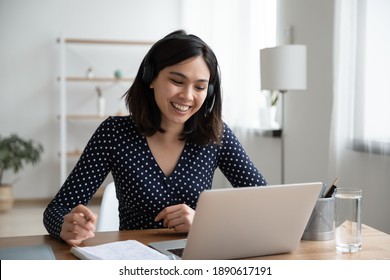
(375, 245)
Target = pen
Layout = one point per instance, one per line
(335, 181)
(330, 190)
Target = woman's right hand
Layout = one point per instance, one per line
(79, 225)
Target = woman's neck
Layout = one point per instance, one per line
(172, 133)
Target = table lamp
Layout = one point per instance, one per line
(283, 68)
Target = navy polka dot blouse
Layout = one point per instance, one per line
(141, 187)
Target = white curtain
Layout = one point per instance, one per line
(236, 30)
(374, 129)
(345, 52)
(360, 80)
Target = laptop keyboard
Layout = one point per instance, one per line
(177, 251)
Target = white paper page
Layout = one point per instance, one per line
(120, 250)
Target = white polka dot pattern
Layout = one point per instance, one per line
(142, 188)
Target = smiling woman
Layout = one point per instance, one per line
(180, 91)
(172, 54)
(161, 156)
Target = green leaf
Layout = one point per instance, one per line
(16, 152)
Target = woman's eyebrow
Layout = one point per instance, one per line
(181, 75)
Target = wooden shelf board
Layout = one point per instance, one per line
(90, 117)
(107, 42)
(97, 79)
(74, 154)
(86, 117)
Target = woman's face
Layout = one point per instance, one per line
(180, 90)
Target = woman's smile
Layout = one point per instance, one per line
(182, 108)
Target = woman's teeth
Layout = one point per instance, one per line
(180, 107)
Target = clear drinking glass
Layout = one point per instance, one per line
(348, 224)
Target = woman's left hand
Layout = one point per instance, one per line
(177, 217)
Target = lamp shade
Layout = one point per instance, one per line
(283, 67)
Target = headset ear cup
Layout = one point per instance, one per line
(210, 98)
(147, 75)
(210, 108)
(210, 90)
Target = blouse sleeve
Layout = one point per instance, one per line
(235, 164)
(86, 177)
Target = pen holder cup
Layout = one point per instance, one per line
(320, 225)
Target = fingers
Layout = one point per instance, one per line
(167, 211)
(85, 213)
(79, 225)
(178, 217)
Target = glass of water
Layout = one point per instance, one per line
(347, 215)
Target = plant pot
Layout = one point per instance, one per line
(6, 198)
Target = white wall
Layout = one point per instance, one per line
(29, 66)
(308, 112)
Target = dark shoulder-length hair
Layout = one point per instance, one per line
(205, 126)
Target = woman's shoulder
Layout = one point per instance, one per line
(119, 122)
(226, 131)
(226, 136)
(229, 137)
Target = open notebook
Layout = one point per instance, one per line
(120, 250)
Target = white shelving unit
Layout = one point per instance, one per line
(78, 75)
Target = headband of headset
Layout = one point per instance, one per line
(148, 69)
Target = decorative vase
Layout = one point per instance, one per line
(273, 118)
(89, 73)
(268, 118)
(118, 74)
(101, 102)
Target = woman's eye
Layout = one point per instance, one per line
(176, 82)
(200, 88)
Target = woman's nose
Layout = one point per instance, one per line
(187, 92)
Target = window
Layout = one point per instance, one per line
(362, 82)
(375, 126)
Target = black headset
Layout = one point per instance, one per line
(148, 72)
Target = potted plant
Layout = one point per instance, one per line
(15, 153)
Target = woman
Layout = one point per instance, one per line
(164, 154)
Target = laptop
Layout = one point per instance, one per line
(33, 252)
(246, 222)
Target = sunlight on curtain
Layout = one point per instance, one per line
(376, 125)
(361, 115)
(345, 52)
(236, 30)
